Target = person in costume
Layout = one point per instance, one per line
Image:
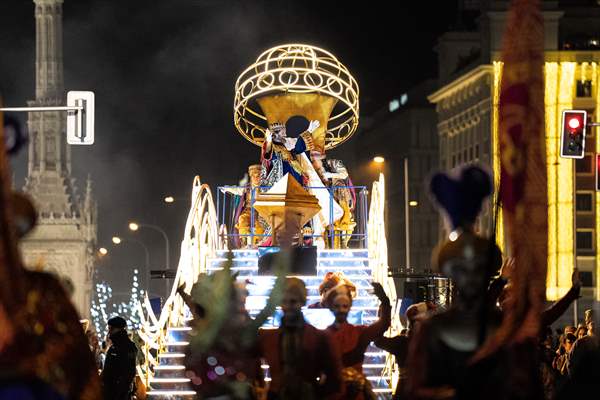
(304, 361)
(333, 281)
(223, 330)
(44, 353)
(441, 363)
(281, 155)
(247, 221)
(398, 345)
(353, 340)
(334, 175)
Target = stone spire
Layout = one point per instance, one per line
(49, 167)
(64, 239)
(49, 49)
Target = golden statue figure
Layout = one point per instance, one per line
(249, 237)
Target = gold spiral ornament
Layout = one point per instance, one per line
(297, 79)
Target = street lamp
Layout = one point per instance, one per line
(170, 199)
(413, 203)
(102, 251)
(118, 240)
(378, 159)
(135, 226)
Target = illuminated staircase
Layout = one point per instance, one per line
(354, 263)
(170, 382)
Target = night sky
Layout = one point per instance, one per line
(163, 72)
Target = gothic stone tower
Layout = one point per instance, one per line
(65, 238)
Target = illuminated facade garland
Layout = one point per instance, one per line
(595, 82)
(561, 256)
(500, 240)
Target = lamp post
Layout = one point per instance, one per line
(135, 226)
(118, 240)
(406, 214)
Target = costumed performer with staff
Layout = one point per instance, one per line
(281, 155)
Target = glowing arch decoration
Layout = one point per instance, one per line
(302, 80)
(200, 242)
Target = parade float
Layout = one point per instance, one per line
(301, 99)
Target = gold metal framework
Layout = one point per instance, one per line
(296, 68)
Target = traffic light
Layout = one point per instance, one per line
(572, 137)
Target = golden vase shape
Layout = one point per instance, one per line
(312, 106)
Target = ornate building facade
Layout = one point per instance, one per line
(466, 105)
(64, 240)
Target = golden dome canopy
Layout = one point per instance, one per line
(297, 79)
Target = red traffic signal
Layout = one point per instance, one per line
(572, 136)
(574, 123)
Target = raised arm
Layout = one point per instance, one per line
(377, 329)
(550, 315)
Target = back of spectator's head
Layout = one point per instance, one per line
(588, 316)
(117, 322)
(417, 312)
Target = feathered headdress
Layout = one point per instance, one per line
(460, 196)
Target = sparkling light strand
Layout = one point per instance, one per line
(101, 312)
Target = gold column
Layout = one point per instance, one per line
(496, 153)
(559, 86)
(597, 233)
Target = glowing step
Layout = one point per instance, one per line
(171, 393)
(375, 353)
(170, 380)
(171, 355)
(323, 268)
(247, 259)
(182, 343)
(179, 329)
(373, 366)
(169, 368)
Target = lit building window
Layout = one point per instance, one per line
(584, 202)
(584, 165)
(394, 105)
(584, 88)
(587, 278)
(585, 239)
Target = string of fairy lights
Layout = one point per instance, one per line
(103, 307)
